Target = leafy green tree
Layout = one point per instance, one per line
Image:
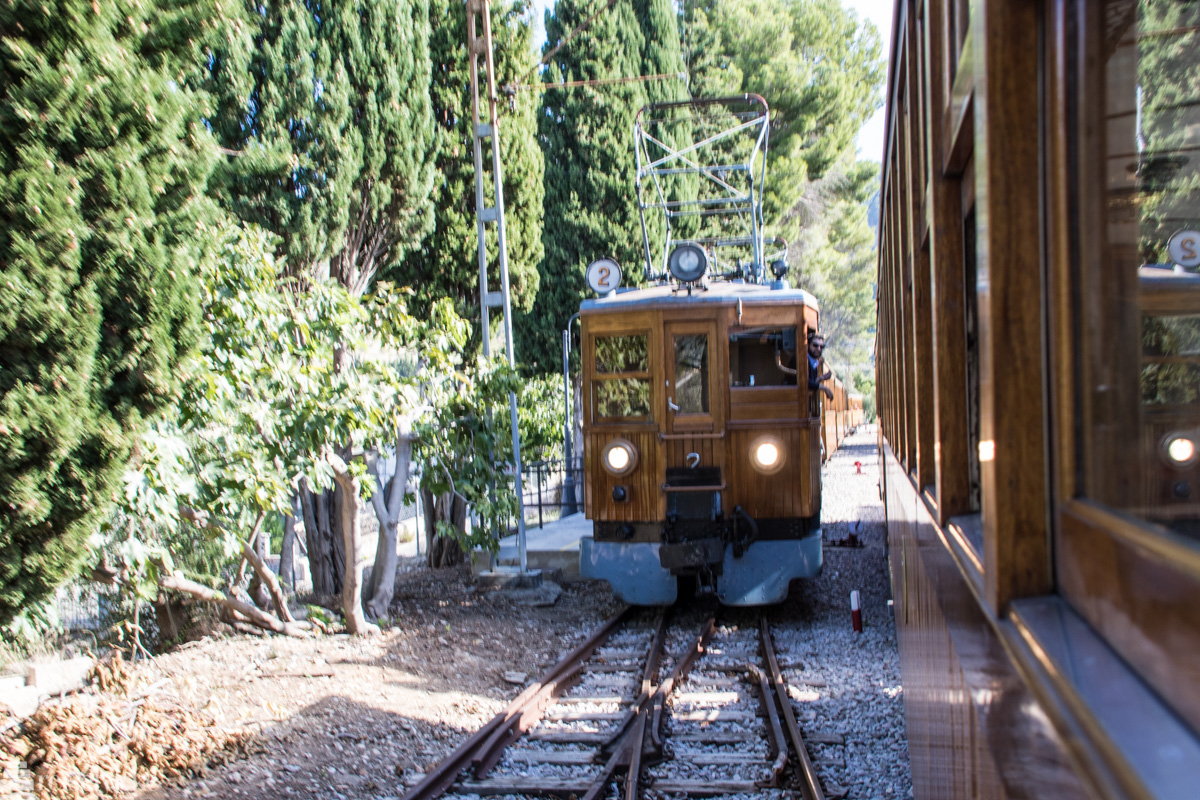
(328, 121)
(587, 138)
(103, 167)
(465, 448)
(819, 67)
(446, 264)
(839, 267)
(287, 387)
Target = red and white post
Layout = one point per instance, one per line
(856, 611)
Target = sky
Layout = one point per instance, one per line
(870, 137)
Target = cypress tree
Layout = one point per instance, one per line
(446, 264)
(587, 137)
(330, 131)
(103, 165)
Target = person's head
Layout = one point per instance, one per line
(816, 345)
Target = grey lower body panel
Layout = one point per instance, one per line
(760, 576)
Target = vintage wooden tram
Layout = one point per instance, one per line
(701, 441)
(701, 456)
(1038, 364)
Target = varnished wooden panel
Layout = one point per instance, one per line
(1016, 543)
(644, 503)
(765, 411)
(974, 728)
(787, 493)
(1142, 601)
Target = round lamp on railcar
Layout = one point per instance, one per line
(1179, 449)
(619, 457)
(767, 454)
(688, 263)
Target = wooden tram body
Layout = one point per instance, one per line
(693, 382)
(1038, 374)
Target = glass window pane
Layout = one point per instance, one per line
(621, 398)
(1139, 287)
(691, 373)
(622, 354)
(762, 357)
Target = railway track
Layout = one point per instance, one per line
(649, 705)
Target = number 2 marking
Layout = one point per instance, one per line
(604, 273)
(1188, 246)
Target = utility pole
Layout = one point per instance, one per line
(477, 46)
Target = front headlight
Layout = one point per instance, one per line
(767, 454)
(1179, 450)
(619, 457)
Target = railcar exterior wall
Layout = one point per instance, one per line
(1038, 387)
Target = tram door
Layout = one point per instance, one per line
(694, 426)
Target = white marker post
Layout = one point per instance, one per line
(856, 612)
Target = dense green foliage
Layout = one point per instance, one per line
(839, 268)
(339, 137)
(285, 386)
(819, 67)
(330, 130)
(446, 265)
(587, 136)
(103, 166)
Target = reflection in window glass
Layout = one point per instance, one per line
(621, 398)
(1140, 289)
(691, 373)
(622, 354)
(1170, 360)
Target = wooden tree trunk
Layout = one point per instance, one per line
(352, 606)
(443, 551)
(325, 540)
(388, 502)
(287, 551)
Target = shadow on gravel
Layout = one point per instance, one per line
(336, 748)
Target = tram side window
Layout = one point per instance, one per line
(1139, 326)
(763, 357)
(971, 319)
(621, 389)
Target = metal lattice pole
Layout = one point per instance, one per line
(477, 46)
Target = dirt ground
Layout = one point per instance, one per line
(336, 716)
(343, 717)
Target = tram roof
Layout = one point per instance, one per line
(716, 293)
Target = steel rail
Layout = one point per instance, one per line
(444, 774)
(666, 687)
(779, 745)
(491, 751)
(810, 785)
